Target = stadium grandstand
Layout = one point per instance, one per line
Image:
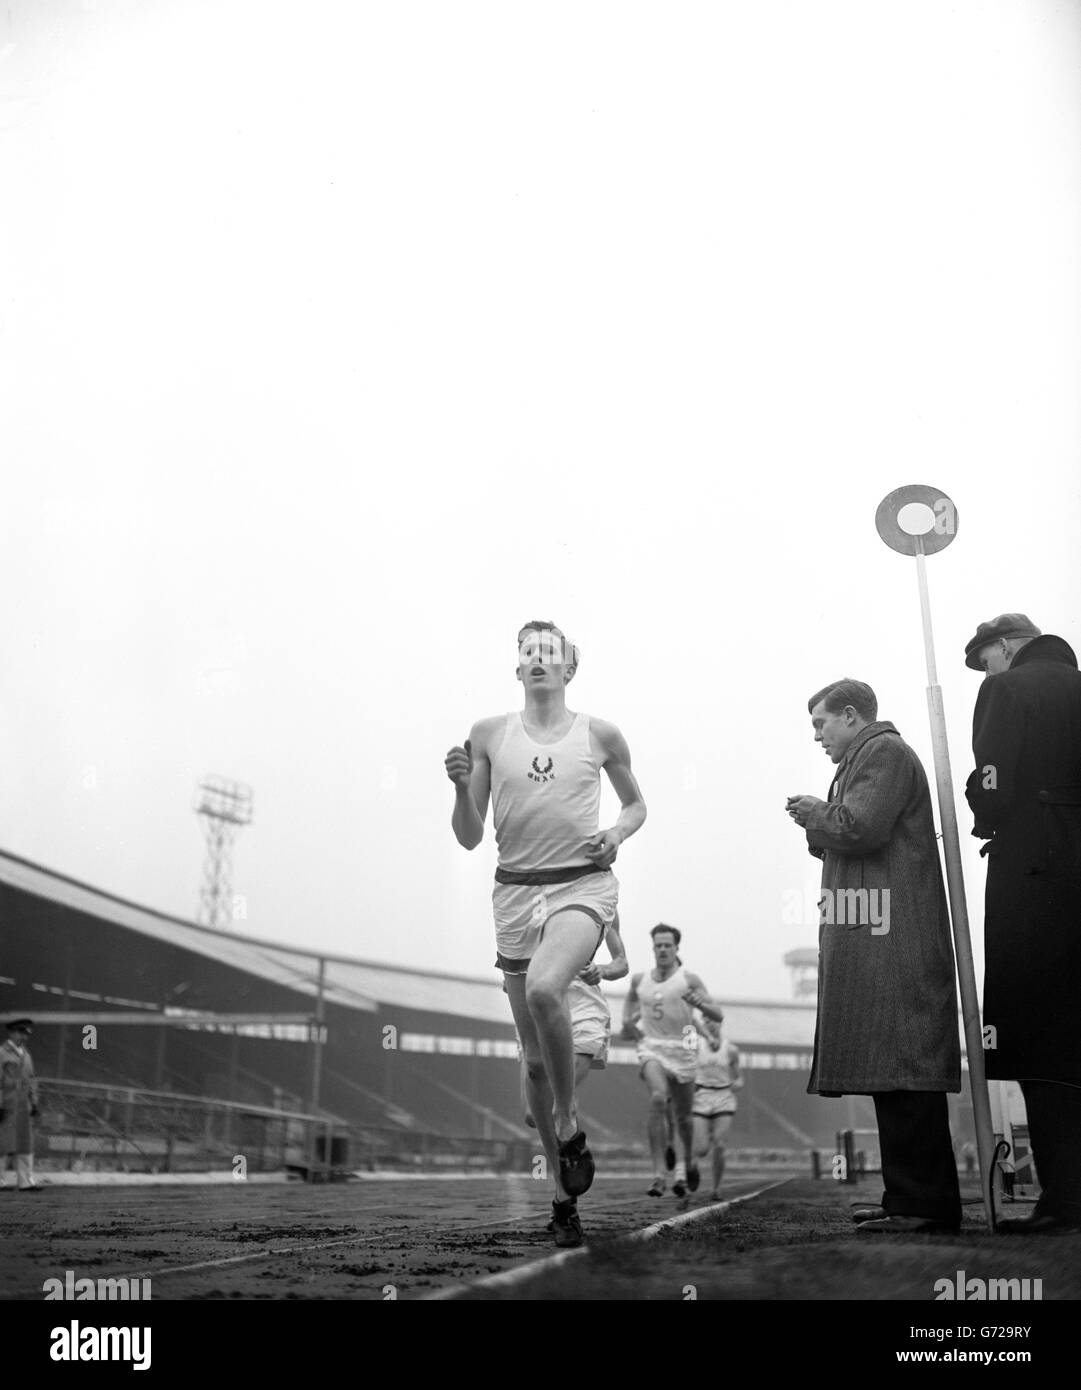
(166, 1046)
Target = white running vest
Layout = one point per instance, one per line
(587, 1003)
(665, 1014)
(546, 797)
(715, 1068)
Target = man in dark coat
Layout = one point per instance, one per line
(887, 1002)
(1025, 795)
(18, 1104)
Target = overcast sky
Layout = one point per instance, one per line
(337, 340)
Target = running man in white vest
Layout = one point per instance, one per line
(715, 1084)
(555, 894)
(659, 1011)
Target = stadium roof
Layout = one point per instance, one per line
(356, 984)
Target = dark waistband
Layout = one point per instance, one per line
(703, 1087)
(530, 877)
(1060, 796)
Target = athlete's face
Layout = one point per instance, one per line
(541, 660)
(664, 950)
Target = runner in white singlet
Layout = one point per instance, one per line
(555, 894)
(659, 1012)
(716, 1081)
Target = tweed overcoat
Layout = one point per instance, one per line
(887, 999)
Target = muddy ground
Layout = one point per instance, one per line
(371, 1240)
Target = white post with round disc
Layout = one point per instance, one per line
(920, 521)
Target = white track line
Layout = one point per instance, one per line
(254, 1255)
(483, 1176)
(266, 1253)
(508, 1278)
(650, 1231)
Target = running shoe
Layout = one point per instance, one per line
(679, 1187)
(657, 1188)
(565, 1224)
(576, 1166)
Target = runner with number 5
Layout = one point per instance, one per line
(659, 1012)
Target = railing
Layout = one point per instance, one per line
(90, 1126)
(86, 1126)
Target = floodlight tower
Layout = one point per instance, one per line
(224, 807)
(803, 963)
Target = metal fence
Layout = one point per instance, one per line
(90, 1127)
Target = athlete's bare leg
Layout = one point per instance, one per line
(523, 1081)
(682, 1093)
(583, 1061)
(703, 1143)
(537, 1092)
(685, 1177)
(719, 1127)
(718, 1163)
(656, 1079)
(569, 943)
(703, 1135)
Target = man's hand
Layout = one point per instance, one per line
(459, 764)
(604, 848)
(629, 1033)
(695, 999)
(591, 974)
(800, 807)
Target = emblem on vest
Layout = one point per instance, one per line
(541, 774)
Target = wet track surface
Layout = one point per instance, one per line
(357, 1240)
(374, 1240)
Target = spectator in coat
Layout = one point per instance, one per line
(18, 1103)
(1025, 795)
(887, 1002)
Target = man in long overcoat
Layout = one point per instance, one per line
(1025, 795)
(887, 1002)
(18, 1103)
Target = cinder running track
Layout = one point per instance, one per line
(359, 1240)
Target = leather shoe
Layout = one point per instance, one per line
(907, 1226)
(1044, 1224)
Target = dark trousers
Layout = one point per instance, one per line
(1054, 1131)
(919, 1172)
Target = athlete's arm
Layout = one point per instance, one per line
(632, 1010)
(733, 1067)
(470, 770)
(617, 967)
(615, 757)
(698, 997)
